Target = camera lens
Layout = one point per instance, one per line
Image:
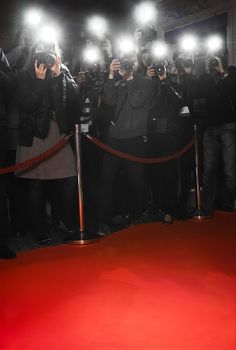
(160, 69)
(50, 60)
(126, 65)
(45, 58)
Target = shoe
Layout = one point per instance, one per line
(167, 219)
(103, 229)
(120, 220)
(6, 253)
(43, 238)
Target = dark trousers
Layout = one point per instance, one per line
(163, 177)
(133, 172)
(219, 150)
(61, 193)
(3, 195)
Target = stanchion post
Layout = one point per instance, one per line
(79, 177)
(199, 213)
(82, 237)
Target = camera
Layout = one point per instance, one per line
(93, 77)
(47, 58)
(213, 63)
(147, 34)
(160, 68)
(127, 65)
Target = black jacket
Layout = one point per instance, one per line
(167, 102)
(5, 86)
(38, 98)
(131, 100)
(219, 92)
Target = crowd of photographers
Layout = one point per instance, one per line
(133, 104)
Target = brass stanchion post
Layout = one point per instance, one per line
(81, 237)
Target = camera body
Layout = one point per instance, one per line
(160, 68)
(46, 57)
(127, 64)
(147, 34)
(213, 63)
(93, 77)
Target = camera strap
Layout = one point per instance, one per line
(64, 91)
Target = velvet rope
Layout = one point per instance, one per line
(36, 160)
(139, 159)
(51, 151)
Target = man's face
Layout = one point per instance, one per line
(146, 58)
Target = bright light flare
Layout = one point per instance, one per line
(189, 43)
(159, 49)
(125, 45)
(33, 17)
(145, 13)
(48, 34)
(97, 26)
(214, 43)
(91, 55)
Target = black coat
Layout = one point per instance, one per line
(5, 86)
(131, 100)
(38, 98)
(219, 93)
(167, 102)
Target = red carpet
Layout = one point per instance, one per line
(147, 287)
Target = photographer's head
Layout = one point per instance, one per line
(45, 52)
(145, 57)
(216, 65)
(47, 57)
(124, 67)
(144, 35)
(127, 67)
(184, 64)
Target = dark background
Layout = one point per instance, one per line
(65, 12)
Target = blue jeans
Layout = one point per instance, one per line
(219, 150)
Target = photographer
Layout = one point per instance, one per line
(131, 97)
(188, 84)
(5, 87)
(163, 141)
(219, 139)
(45, 93)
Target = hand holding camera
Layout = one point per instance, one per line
(216, 63)
(151, 72)
(40, 70)
(115, 67)
(157, 70)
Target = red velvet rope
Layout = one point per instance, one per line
(36, 160)
(139, 159)
(51, 151)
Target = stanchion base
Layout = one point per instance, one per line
(84, 238)
(200, 215)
